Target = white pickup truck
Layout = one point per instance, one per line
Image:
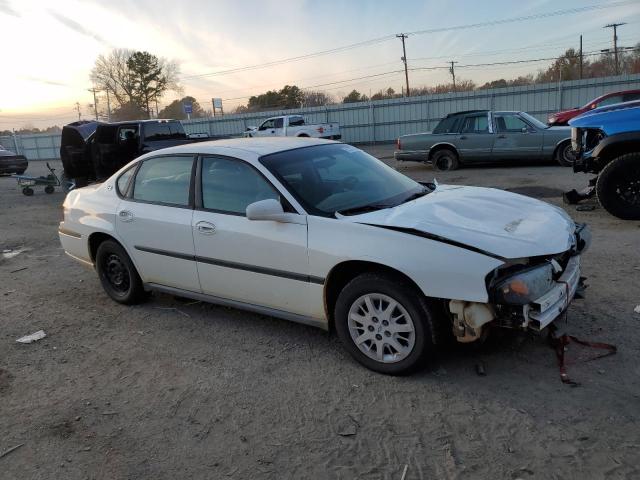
(294, 126)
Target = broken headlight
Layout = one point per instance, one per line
(525, 286)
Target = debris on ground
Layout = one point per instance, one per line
(34, 337)
(174, 309)
(10, 253)
(404, 472)
(637, 309)
(585, 208)
(347, 427)
(18, 270)
(7, 452)
(480, 370)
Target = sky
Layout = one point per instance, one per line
(49, 48)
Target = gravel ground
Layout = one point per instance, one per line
(172, 389)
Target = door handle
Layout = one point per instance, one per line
(206, 228)
(125, 216)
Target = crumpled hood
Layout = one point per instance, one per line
(502, 223)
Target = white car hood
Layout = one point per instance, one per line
(502, 223)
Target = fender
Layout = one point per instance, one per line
(440, 144)
(610, 145)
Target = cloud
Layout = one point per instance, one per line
(45, 81)
(8, 9)
(77, 27)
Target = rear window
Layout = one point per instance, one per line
(449, 125)
(163, 131)
(296, 121)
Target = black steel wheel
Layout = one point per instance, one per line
(618, 187)
(445, 160)
(49, 189)
(565, 155)
(28, 191)
(117, 274)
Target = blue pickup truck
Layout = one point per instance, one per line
(606, 141)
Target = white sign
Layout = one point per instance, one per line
(217, 102)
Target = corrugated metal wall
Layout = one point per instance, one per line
(385, 120)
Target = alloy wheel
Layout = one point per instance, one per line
(381, 328)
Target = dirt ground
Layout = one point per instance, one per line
(175, 390)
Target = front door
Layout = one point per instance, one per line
(154, 222)
(515, 138)
(267, 129)
(475, 140)
(262, 263)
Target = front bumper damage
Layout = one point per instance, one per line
(470, 319)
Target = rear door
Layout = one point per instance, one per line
(261, 263)
(154, 221)
(515, 138)
(475, 141)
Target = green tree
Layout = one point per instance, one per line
(175, 109)
(355, 96)
(127, 111)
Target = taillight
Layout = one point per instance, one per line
(398, 144)
(320, 130)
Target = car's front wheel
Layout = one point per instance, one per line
(117, 274)
(618, 187)
(565, 155)
(385, 323)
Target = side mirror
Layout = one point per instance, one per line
(524, 130)
(271, 209)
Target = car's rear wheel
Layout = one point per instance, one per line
(618, 187)
(117, 274)
(385, 323)
(565, 155)
(445, 160)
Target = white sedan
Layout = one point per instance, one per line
(321, 233)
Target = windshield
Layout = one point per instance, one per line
(531, 119)
(332, 178)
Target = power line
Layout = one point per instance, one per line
(385, 38)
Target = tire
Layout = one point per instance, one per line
(445, 160)
(27, 191)
(565, 156)
(118, 275)
(618, 187)
(414, 334)
(49, 189)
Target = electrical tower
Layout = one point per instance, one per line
(453, 74)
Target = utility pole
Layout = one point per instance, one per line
(402, 37)
(78, 109)
(453, 74)
(580, 57)
(95, 102)
(108, 106)
(615, 42)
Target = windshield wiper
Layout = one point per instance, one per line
(415, 196)
(363, 209)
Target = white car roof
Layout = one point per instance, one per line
(256, 146)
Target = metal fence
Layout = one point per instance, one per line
(385, 120)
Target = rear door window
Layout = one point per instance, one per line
(157, 131)
(610, 100)
(164, 180)
(449, 125)
(476, 124)
(628, 97)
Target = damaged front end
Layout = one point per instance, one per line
(525, 294)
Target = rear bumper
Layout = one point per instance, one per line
(411, 155)
(75, 245)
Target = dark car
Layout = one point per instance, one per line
(483, 136)
(607, 142)
(94, 150)
(562, 118)
(11, 162)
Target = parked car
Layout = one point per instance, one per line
(482, 136)
(94, 151)
(11, 162)
(607, 142)
(294, 126)
(322, 233)
(562, 118)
